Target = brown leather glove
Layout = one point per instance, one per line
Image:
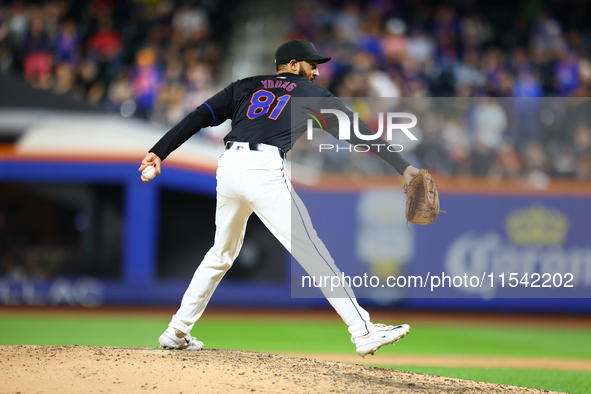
(422, 199)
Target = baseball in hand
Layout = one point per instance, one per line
(149, 172)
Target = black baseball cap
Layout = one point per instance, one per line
(298, 50)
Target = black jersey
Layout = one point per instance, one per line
(260, 110)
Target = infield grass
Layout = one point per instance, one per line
(300, 337)
(269, 335)
(574, 382)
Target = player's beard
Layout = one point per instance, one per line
(310, 77)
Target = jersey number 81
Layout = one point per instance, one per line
(262, 100)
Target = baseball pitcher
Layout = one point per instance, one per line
(251, 178)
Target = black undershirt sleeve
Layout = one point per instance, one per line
(213, 112)
(378, 147)
(182, 131)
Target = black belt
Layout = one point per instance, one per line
(255, 146)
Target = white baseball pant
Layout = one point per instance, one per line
(255, 181)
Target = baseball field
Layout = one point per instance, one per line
(68, 350)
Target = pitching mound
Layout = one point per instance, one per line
(78, 369)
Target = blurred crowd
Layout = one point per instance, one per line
(529, 59)
(158, 59)
(153, 59)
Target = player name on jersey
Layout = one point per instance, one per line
(270, 84)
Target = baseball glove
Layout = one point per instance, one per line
(422, 199)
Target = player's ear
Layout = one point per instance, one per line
(294, 65)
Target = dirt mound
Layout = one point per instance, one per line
(79, 369)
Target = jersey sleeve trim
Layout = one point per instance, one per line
(215, 121)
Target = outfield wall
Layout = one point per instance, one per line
(508, 229)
